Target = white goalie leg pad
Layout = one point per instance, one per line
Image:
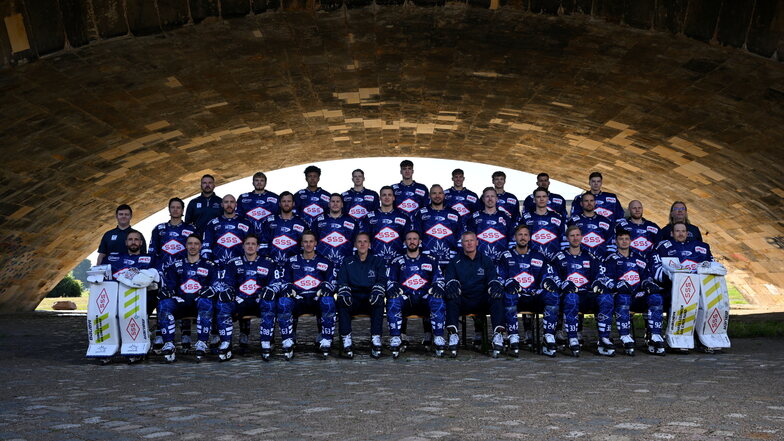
(134, 326)
(714, 268)
(714, 311)
(683, 310)
(103, 329)
(99, 273)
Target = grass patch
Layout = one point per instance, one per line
(736, 298)
(757, 328)
(81, 302)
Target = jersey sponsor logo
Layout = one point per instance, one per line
(578, 279)
(249, 287)
(414, 282)
(243, 227)
(357, 212)
(408, 205)
(439, 231)
(537, 262)
(325, 198)
(586, 264)
(298, 228)
(490, 235)
(334, 239)
(543, 237)
(556, 221)
(387, 235)
(698, 249)
(369, 197)
(641, 243)
(190, 286)
(349, 225)
(460, 208)
(419, 191)
(202, 271)
(610, 199)
(283, 242)
(172, 247)
(640, 263)
(603, 212)
(198, 204)
(400, 221)
(187, 233)
(321, 266)
(313, 210)
(558, 201)
(427, 267)
(604, 225)
(592, 240)
(452, 217)
(229, 240)
(470, 198)
(653, 230)
(145, 259)
(307, 283)
(262, 271)
(525, 279)
(258, 213)
(272, 200)
(631, 277)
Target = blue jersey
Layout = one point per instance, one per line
(167, 242)
(201, 210)
(607, 205)
(358, 204)
(509, 204)
(643, 235)
(582, 269)
(387, 232)
(247, 277)
(311, 204)
(410, 198)
(281, 237)
(123, 261)
(463, 201)
(634, 269)
(223, 238)
(556, 203)
(257, 207)
(183, 278)
(306, 276)
(528, 270)
(415, 275)
(692, 230)
(335, 237)
(440, 231)
(547, 232)
(688, 254)
(494, 231)
(598, 233)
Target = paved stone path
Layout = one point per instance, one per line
(50, 392)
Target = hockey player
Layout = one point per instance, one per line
(459, 198)
(555, 202)
(630, 275)
(492, 226)
(359, 201)
(689, 253)
(282, 231)
(472, 286)
(678, 213)
(440, 226)
(312, 201)
(597, 231)
(583, 288)
(204, 208)
(507, 202)
(258, 204)
(309, 280)
(415, 287)
(409, 194)
(224, 234)
(606, 204)
(187, 290)
(361, 286)
(113, 241)
(530, 285)
(546, 225)
(252, 287)
(336, 232)
(642, 231)
(387, 227)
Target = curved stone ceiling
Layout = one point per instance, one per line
(139, 120)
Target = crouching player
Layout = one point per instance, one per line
(631, 278)
(530, 285)
(584, 289)
(361, 285)
(415, 287)
(250, 290)
(309, 289)
(187, 291)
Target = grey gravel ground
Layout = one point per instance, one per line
(50, 392)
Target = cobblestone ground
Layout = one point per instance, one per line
(50, 392)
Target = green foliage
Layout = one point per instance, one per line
(80, 272)
(68, 287)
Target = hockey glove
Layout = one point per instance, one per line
(268, 294)
(325, 290)
(436, 292)
(452, 289)
(550, 285)
(495, 289)
(650, 287)
(226, 295)
(395, 291)
(206, 293)
(99, 273)
(623, 287)
(569, 287)
(512, 286)
(599, 287)
(377, 295)
(344, 296)
(291, 293)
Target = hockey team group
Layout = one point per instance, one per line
(408, 250)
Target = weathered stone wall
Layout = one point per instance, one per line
(49, 26)
(139, 120)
